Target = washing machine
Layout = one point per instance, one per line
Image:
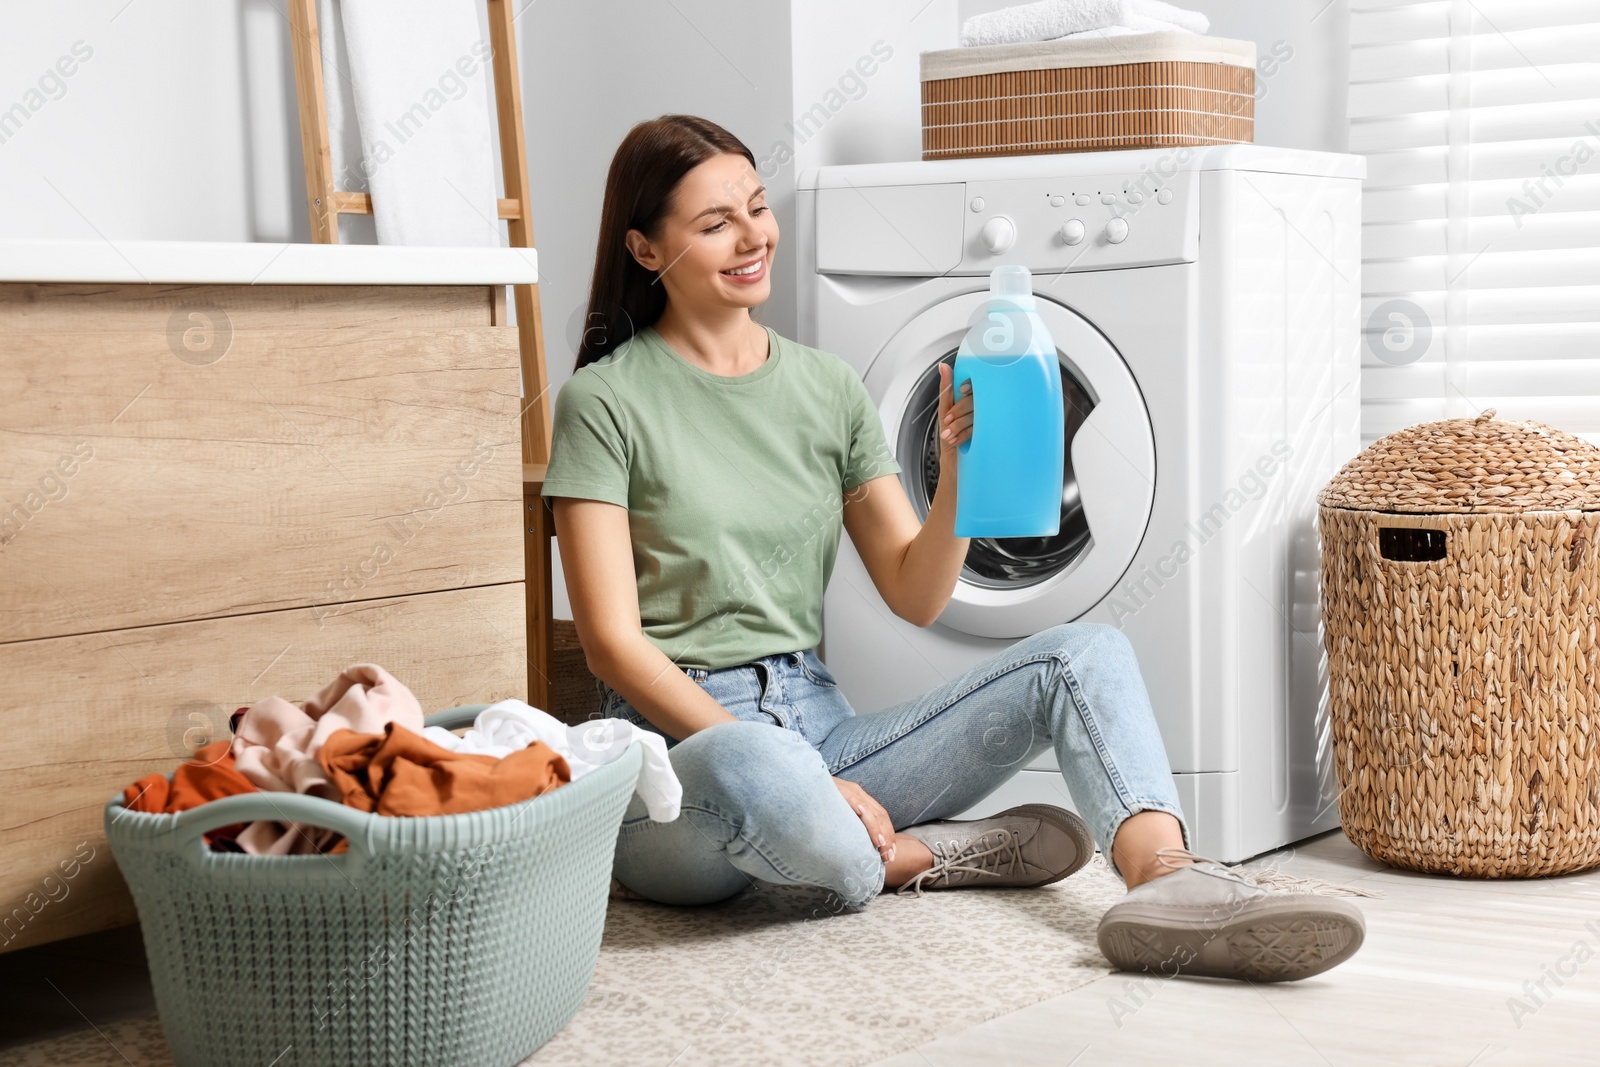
(1205, 306)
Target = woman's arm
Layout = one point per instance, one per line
(914, 567)
(597, 558)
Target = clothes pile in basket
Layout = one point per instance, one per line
(502, 729)
(362, 741)
(1056, 20)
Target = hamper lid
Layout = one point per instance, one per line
(1476, 464)
(1161, 46)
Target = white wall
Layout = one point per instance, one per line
(1301, 102)
(145, 139)
(881, 120)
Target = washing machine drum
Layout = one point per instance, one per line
(999, 563)
(1013, 587)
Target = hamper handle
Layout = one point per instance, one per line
(297, 807)
(455, 718)
(188, 826)
(1411, 544)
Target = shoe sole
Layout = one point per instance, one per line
(1272, 941)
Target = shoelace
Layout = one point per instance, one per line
(977, 856)
(1265, 877)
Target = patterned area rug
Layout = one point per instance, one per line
(773, 975)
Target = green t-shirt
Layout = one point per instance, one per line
(734, 487)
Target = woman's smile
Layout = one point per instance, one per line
(749, 272)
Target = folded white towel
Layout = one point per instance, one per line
(1048, 20)
(1103, 32)
(503, 728)
(1042, 21)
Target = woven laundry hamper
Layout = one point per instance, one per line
(1461, 604)
(1148, 90)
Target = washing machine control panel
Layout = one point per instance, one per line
(1049, 225)
(1102, 222)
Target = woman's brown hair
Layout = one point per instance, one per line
(649, 163)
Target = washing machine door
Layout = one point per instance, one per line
(1014, 587)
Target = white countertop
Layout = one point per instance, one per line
(231, 263)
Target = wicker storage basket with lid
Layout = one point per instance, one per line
(1461, 604)
(1145, 90)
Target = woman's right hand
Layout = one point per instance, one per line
(955, 417)
(879, 827)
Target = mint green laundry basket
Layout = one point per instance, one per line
(449, 939)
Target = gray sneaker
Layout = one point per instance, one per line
(1028, 845)
(1209, 919)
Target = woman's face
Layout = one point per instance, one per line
(715, 247)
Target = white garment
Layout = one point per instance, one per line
(1052, 19)
(407, 87)
(503, 728)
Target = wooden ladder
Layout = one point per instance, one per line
(326, 203)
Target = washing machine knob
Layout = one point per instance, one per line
(998, 234)
(1117, 231)
(1072, 231)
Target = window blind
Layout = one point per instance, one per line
(1480, 121)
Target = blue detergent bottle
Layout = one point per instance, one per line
(1009, 470)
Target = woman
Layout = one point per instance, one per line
(703, 468)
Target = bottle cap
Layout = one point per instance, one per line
(1013, 283)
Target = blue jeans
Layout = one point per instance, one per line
(759, 801)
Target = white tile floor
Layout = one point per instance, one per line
(1431, 985)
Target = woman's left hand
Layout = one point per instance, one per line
(879, 826)
(955, 416)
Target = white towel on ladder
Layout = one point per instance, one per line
(407, 85)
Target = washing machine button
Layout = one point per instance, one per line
(1117, 231)
(1135, 198)
(1082, 200)
(1164, 196)
(998, 234)
(1072, 231)
(1057, 201)
(977, 203)
(1108, 198)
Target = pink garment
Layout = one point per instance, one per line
(275, 747)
